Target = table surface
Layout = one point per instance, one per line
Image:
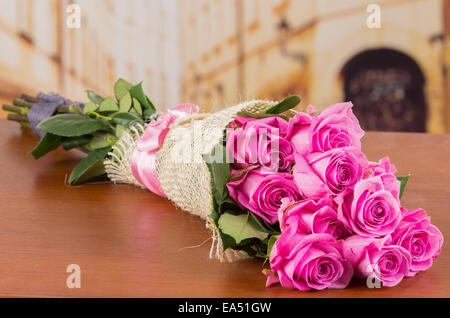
(129, 242)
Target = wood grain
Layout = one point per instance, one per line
(131, 243)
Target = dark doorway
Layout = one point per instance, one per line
(387, 90)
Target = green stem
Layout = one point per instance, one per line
(24, 110)
(15, 109)
(29, 98)
(25, 124)
(63, 109)
(75, 109)
(17, 117)
(22, 103)
(97, 115)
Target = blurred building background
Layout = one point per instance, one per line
(324, 51)
(136, 40)
(218, 52)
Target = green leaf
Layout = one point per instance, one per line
(125, 103)
(248, 249)
(98, 142)
(120, 129)
(93, 97)
(126, 119)
(220, 171)
(227, 241)
(404, 180)
(90, 107)
(108, 105)
(239, 228)
(286, 104)
(95, 171)
(150, 103)
(149, 114)
(90, 167)
(70, 125)
(271, 243)
(121, 88)
(257, 224)
(254, 115)
(137, 106)
(48, 143)
(138, 93)
(74, 142)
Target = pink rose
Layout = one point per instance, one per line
(373, 208)
(279, 154)
(312, 216)
(299, 133)
(380, 167)
(335, 127)
(308, 262)
(260, 141)
(261, 192)
(418, 236)
(330, 172)
(376, 258)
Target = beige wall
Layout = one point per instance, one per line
(446, 49)
(215, 52)
(134, 39)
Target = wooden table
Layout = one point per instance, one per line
(129, 242)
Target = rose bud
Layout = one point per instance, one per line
(376, 258)
(308, 262)
(330, 172)
(312, 216)
(382, 166)
(261, 192)
(418, 236)
(372, 209)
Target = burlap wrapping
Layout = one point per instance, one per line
(182, 172)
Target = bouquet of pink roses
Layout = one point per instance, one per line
(291, 187)
(329, 213)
